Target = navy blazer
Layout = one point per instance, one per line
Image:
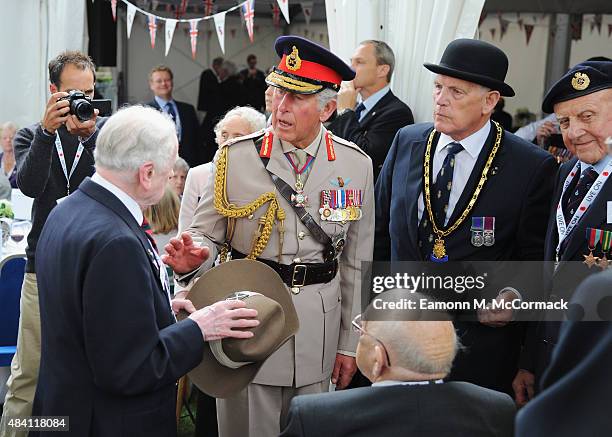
(374, 134)
(111, 351)
(454, 409)
(517, 193)
(576, 387)
(190, 146)
(562, 282)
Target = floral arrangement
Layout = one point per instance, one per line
(6, 210)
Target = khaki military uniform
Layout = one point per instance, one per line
(325, 310)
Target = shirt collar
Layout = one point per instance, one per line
(123, 197)
(162, 103)
(472, 144)
(312, 148)
(599, 166)
(371, 101)
(395, 382)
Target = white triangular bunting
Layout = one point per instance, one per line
(193, 36)
(307, 11)
(131, 13)
(220, 27)
(284, 7)
(169, 31)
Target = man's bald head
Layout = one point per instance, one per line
(420, 345)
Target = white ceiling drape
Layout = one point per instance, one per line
(418, 31)
(32, 32)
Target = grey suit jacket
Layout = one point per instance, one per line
(453, 409)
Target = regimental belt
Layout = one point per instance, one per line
(439, 250)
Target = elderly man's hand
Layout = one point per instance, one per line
(226, 318)
(347, 96)
(344, 369)
(83, 129)
(498, 317)
(183, 255)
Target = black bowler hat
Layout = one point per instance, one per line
(582, 79)
(475, 61)
(306, 67)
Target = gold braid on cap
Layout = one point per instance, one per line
(232, 212)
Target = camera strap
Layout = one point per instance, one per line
(62, 159)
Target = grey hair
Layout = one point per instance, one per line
(325, 96)
(256, 120)
(229, 66)
(181, 165)
(384, 55)
(9, 125)
(136, 135)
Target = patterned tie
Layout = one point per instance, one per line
(587, 177)
(358, 110)
(440, 194)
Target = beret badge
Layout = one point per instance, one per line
(580, 81)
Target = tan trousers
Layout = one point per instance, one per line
(24, 367)
(259, 410)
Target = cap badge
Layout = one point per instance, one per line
(293, 61)
(580, 81)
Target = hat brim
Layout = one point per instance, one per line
(503, 88)
(215, 285)
(296, 84)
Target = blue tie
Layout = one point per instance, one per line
(171, 111)
(358, 110)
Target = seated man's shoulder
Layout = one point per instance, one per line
(474, 394)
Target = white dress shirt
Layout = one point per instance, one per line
(464, 164)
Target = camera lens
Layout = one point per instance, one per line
(82, 109)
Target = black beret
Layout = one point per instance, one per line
(582, 79)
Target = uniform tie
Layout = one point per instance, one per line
(301, 158)
(585, 181)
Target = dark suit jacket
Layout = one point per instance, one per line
(452, 409)
(562, 282)
(517, 194)
(577, 388)
(190, 146)
(375, 133)
(111, 350)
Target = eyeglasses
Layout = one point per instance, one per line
(357, 324)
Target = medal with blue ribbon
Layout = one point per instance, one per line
(477, 231)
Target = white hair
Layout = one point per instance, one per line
(9, 125)
(133, 136)
(181, 165)
(325, 96)
(256, 120)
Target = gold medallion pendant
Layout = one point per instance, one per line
(439, 249)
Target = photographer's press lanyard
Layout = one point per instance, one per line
(60, 154)
(563, 229)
